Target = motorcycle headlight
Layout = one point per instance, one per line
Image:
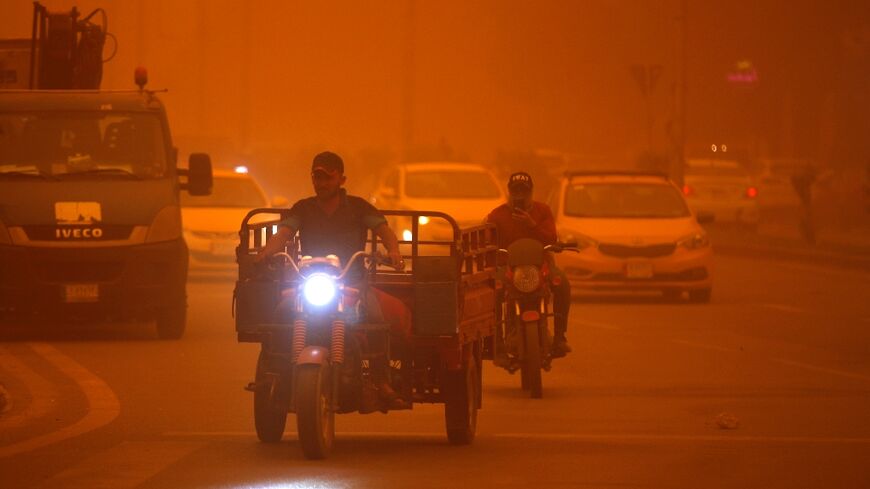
(527, 278)
(694, 241)
(319, 289)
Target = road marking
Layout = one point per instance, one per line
(840, 373)
(785, 308)
(652, 437)
(42, 395)
(706, 346)
(127, 465)
(604, 437)
(597, 325)
(103, 405)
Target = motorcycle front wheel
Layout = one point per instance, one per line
(315, 419)
(531, 365)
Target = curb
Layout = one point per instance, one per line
(823, 258)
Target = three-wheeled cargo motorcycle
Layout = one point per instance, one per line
(317, 361)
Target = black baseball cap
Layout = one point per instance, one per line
(520, 180)
(328, 162)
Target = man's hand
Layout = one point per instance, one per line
(396, 260)
(524, 217)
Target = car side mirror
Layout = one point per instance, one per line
(280, 201)
(198, 173)
(705, 217)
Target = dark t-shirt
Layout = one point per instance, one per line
(342, 234)
(510, 229)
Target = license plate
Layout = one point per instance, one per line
(638, 270)
(81, 293)
(223, 248)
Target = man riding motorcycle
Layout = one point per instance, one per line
(522, 217)
(334, 223)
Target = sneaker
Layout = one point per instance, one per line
(560, 347)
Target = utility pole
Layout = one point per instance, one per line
(408, 78)
(679, 164)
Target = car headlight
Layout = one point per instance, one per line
(527, 278)
(694, 241)
(582, 240)
(166, 225)
(319, 289)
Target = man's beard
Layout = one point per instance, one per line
(326, 193)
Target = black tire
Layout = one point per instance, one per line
(531, 366)
(270, 417)
(171, 322)
(462, 398)
(315, 419)
(700, 296)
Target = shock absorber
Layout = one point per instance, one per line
(337, 347)
(299, 329)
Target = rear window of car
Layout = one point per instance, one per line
(726, 168)
(450, 184)
(624, 200)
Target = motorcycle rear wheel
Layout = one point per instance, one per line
(269, 418)
(315, 419)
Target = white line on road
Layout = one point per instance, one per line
(602, 437)
(597, 325)
(103, 405)
(125, 466)
(706, 346)
(785, 308)
(42, 395)
(832, 371)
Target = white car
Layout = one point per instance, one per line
(211, 223)
(723, 188)
(635, 233)
(465, 191)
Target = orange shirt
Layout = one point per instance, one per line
(511, 229)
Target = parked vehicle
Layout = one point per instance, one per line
(635, 232)
(524, 333)
(723, 188)
(317, 366)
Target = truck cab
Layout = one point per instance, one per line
(90, 222)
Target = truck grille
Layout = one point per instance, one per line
(625, 251)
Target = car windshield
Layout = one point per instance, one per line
(725, 168)
(450, 184)
(228, 192)
(624, 200)
(88, 144)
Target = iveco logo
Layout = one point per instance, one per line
(78, 233)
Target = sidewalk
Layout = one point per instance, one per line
(782, 241)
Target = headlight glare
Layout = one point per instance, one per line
(319, 289)
(527, 278)
(694, 241)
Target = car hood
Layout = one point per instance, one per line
(632, 232)
(213, 219)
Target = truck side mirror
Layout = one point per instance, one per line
(199, 175)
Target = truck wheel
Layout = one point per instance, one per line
(171, 322)
(700, 296)
(269, 417)
(460, 404)
(531, 366)
(315, 419)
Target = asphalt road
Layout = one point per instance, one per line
(767, 386)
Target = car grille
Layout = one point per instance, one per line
(625, 251)
(80, 271)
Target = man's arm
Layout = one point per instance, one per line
(275, 243)
(391, 242)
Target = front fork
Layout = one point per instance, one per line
(336, 350)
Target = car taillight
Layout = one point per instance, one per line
(687, 190)
(751, 192)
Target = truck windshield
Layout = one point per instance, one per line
(87, 144)
(625, 200)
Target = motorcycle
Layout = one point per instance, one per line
(524, 336)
